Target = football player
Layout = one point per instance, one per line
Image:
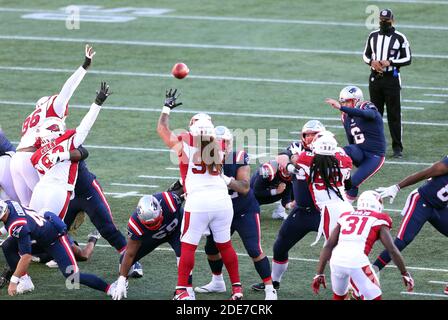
(365, 133)
(208, 204)
(7, 150)
(49, 232)
(156, 220)
(327, 170)
(52, 160)
(349, 245)
(23, 173)
(246, 219)
(428, 203)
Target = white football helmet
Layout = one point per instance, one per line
(199, 116)
(149, 212)
(223, 133)
(203, 127)
(50, 129)
(351, 93)
(325, 144)
(44, 102)
(370, 200)
(312, 126)
(3, 208)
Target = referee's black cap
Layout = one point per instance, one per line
(387, 14)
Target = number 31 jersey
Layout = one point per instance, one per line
(359, 231)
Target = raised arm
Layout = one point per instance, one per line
(72, 83)
(163, 129)
(89, 119)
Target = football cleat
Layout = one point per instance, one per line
(213, 286)
(5, 276)
(25, 285)
(136, 270)
(182, 294)
(260, 286)
(279, 213)
(270, 294)
(52, 264)
(237, 292)
(191, 293)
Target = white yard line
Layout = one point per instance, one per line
(204, 77)
(201, 46)
(439, 282)
(134, 185)
(435, 95)
(410, 1)
(172, 168)
(424, 294)
(256, 20)
(119, 195)
(158, 177)
(424, 101)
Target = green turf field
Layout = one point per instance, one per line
(255, 62)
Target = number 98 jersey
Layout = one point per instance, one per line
(172, 220)
(359, 231)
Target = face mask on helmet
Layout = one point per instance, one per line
(149, 212)
(324, 144)
(370, 200)
(351, 96)
(309, 131)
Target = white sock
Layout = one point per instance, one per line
(278, 269)
(217, 278)
(268, 287)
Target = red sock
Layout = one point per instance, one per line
(186, 264)
(230, 260)
(337, 297)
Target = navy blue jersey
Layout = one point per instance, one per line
(364, 127)
(301, 191)
(242, 204)
(84, 180)
(26, 225)
(262, 187)
(435, 190)
(5, 144)
(172, 219)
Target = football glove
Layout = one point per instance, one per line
(102, 94)
(170, 99)
(120, 289)
(408, 281)
(389, 192)
(89, 56)
(319, 279)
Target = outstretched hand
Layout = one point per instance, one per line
(334, 103)
(170, 99)
(89, 53)
(102, 94)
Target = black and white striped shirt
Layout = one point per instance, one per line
(392, 46)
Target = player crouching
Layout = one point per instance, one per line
(349, 245)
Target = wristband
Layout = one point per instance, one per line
(14, 279)
(398, 187)
(273, 192)
(166, 110)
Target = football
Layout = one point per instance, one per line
(180, 70)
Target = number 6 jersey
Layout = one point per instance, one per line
(359, 231)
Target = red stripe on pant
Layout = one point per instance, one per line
(326, 223)
(65, 207)
(186, 222)
(68, 249)
(98, 189)
(409, 212)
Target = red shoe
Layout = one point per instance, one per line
(237, 292)
(181, 294)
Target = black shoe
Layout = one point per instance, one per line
(398, 154)
(260, 286)
(5, 277)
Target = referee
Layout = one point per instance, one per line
(386, 51)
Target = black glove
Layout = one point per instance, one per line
(176, 188)
(102, 95)
(170, 99)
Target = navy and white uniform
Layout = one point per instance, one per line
(49, 233)
(425, 204)
(367, 144)
(168, 232)
(7, 150)
(90, 198)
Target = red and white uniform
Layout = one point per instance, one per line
(23, 173)
(208, 204)
(329, 204)
(349, 259)
(55, 188)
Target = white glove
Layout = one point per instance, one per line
(89, 52)
(59, 156)
(292, 168)
(227, 179)
(389, 192)
(120, 289)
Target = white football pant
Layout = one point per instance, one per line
(24, 176)
(54, 198)
(6, 182)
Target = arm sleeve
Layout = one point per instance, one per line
(84, 153)
(67, 91)
(363, 113)
(405, 55)
(367, 56)
(86, 124)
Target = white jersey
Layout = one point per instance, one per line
(62, 173)
(359, 231)
(205, 192)
(35, 120)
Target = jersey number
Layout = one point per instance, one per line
(203, 169)
(354, 224)
(33, 215)
(46, 161)
(358, 136)
(164, 232)
(442, 194)
(31, 121)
